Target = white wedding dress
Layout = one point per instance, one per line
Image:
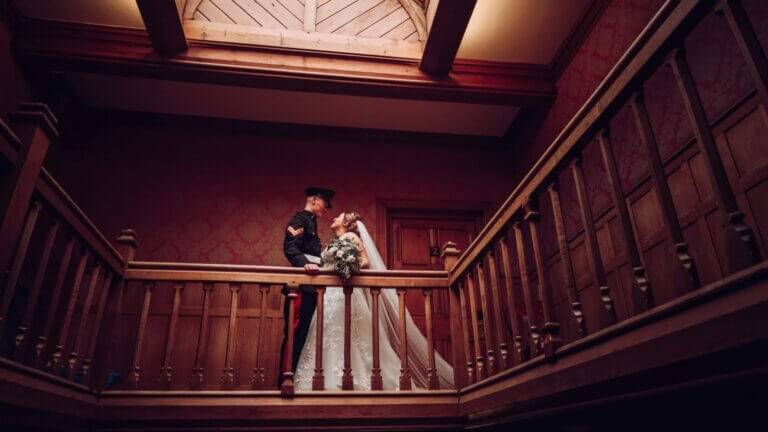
(361, 347)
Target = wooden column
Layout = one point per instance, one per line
(35, 126)
(458, 318)
(26, 321)
(258, 379)
(686, 276)
(42, 340)
(59, 350)
(642, 298)
(445, 34)
(287, 389)
(432, 378)
(749, 45)
(479, 358)
(493, 277)
(607, 316)
(533, 328)
(377, 382)
(21, 253)
(318, 380)
(405, 371)
(347, 381)
(518, 355)
(202, 337)
(551, 328)
(487, 321)
(565, 261)
(739, 248)
(166, 369)
(135, 369)
(74, 355)
(88, 360)
(163, 21)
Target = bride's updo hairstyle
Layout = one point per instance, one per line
(349, 222)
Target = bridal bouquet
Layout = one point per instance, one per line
(345, 257)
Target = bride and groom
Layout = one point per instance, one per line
(302, 247)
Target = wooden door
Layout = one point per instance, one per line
(415, 241)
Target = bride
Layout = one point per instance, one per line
(349, 226)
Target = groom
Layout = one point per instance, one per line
(301, 238)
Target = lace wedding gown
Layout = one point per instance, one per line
(361, 347)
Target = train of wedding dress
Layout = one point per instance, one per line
(362, 340)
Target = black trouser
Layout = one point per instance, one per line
(308, 301)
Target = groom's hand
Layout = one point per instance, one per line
(311, 269)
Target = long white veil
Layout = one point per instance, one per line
(417, 343)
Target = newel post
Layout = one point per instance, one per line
(449, 257)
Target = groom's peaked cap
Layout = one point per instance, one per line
(324, 193)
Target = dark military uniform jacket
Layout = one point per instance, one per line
(301, 238)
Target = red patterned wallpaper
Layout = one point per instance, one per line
(198, 191)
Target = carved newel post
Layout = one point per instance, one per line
(449, 256)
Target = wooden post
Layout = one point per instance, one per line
(533, 328)
(565, 261)
(88, 361)
(432, 378)
(258, 379)
(479, 358)
(318, 380)
(135, 369)
(74, 355)
(686, 276)
(405, 371)
(493, 277)
(202, 337)
(487, 320)
(18, 261)
(642, 298)
(166, 368)
(42, 340)
(740, 249)
(462, 359)
(551, 328)
(287, 389)
(518, 355)
(228, 373)
(59, 350)
(347, 381)
(26, 322)
(608, 315)
(35, 125)
(377, 382)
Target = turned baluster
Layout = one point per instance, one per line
(228, 373)
(432, 378)
(166, 368)
(487, 332)
(88, 360)
(135, 368)
(405, 371)
(607, 316)
(377, 382)
(18, 261)
(748, 43)
(318, 380)
(64, 333)
(347, 381)
(287, 388)
(518, 355)
(493, 276)
(202, 337)
(26, 322)
(740, 249)
(479, 359)
(565, 261)
(642, 298)
(551, 328)
(258, 379)
(533, 328)
(74, 355)
(465, 333)
(686, 276)
(42, 340)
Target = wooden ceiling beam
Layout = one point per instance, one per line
(163, 19)
(446, 31)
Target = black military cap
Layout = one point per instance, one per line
(324, 193)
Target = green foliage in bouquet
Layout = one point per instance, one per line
(346, 257)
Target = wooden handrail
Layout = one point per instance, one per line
(673, 18)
